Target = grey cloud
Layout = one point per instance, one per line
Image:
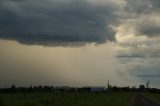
(148, 76)
(140, 52)
(150, 71)
(130, 56)
(56, 22)
(142, 6)
(142, 67)
(150, 28)
(140, 55)
(144, 15)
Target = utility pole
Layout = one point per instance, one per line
(108, 85)
(147, 84)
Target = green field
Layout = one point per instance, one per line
(67, 99)
(153, 96)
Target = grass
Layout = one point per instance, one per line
(67, 99)
(153, 96)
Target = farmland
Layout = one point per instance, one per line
(67, 99)
(153, 96)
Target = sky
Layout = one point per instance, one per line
(79, 42)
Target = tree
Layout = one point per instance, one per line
(13, 88)
(141, 87)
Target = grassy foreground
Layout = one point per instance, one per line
(67, 99)
(153, 96)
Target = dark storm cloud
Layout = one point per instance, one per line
(50, 22)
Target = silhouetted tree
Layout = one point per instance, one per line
(133, 88)
(115, 88)
(13, 88)
(30, 89)
(141, 87)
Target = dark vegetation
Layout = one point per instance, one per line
(74, 96)
(67, 99)
(51, 89)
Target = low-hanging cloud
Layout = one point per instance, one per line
(52, 22)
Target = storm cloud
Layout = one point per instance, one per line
(50, 22)
(73, 22)
(143, 16)
(142, 6)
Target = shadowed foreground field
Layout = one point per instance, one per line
(153, 96)
(67, 99)
(141, 100)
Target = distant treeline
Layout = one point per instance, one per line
(52, 89)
